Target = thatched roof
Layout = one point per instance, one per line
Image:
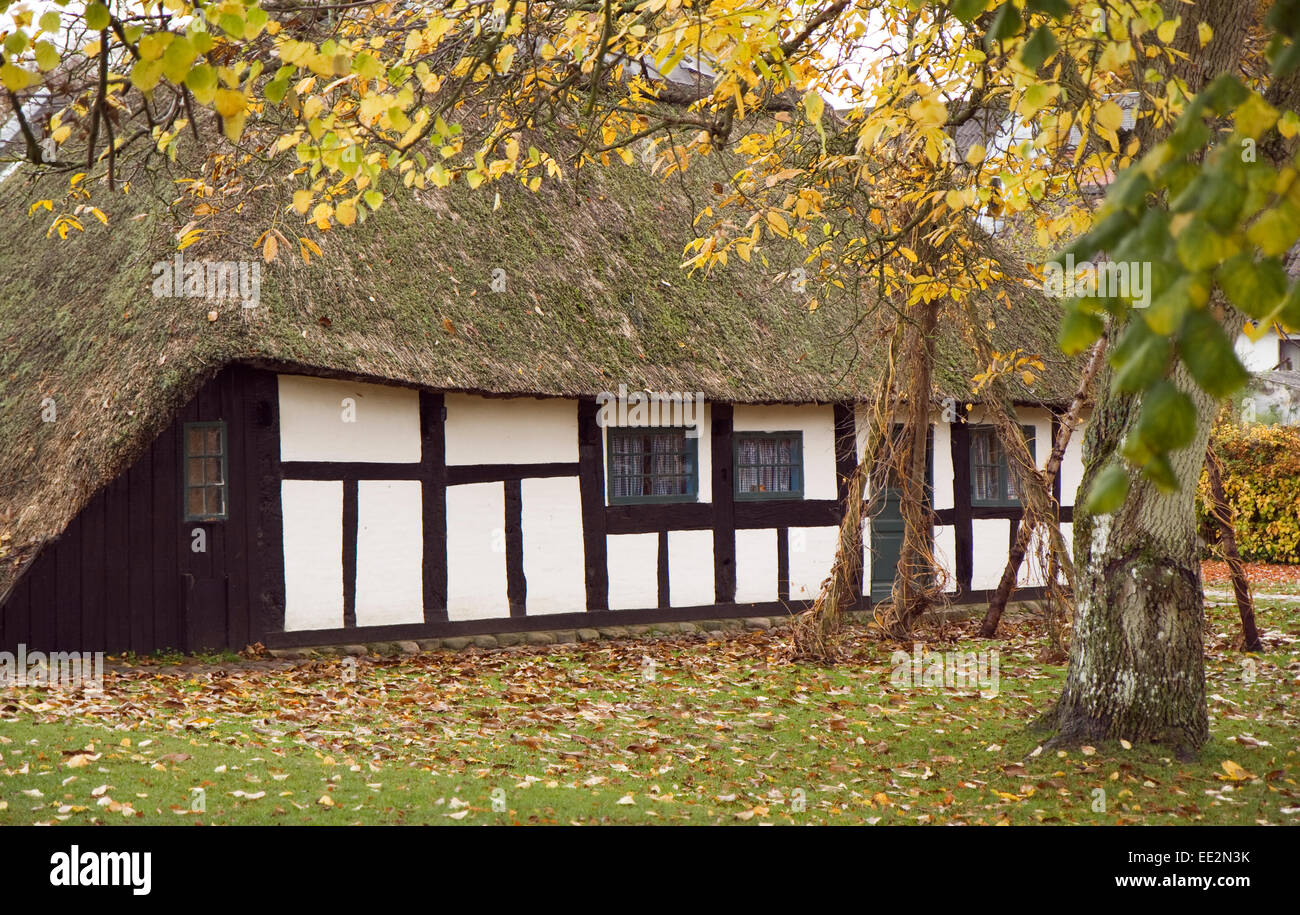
(594, 297)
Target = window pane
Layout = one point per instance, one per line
(214, 500)
(212, 473)
(986, 483)
(649, 464)
(193, 440)
(767, 464)
(194, 501)
(212, 441)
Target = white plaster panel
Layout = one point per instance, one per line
(945, 551)
(812, 553)
(992, 540)
(313, 553)
(554, 562)
(511, 430)
(756, 566)
(314, 426)
(690, 568)
(390, 553)
(633, 562)
(1072, 466)
(476, 552)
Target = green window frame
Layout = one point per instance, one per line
(205, 486)
(991, 483)
(646, 464)
(768, 465)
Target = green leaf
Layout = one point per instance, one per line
(1159, 471)
(202, 41)
(967, 10)
(1168, 418)
(1189, 136)
(254, 21)
(97, 17)
(202, 81)
(1057, 9)
(1140, 358)
(1224, 94)
(1276, 229)
(1040, 46)
(1255, 287)
(1149, 241)
(16, 43)
(1288, 313)
(1208, 354)
(177, 59)
(49, 22)
(1079, 330)
(47, 58)
(232, 24)
(1108, 490)
(275, 90)
(1165, 314)
(1006, 23)
(1201, 248)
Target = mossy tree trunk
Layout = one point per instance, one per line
(1137, 658)
(1137, 662)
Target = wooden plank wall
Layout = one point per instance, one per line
(119, 577)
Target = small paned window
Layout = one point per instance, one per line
(769, 465)
(205, 472)
(991, 482)
(652, 465)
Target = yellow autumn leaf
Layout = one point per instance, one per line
(301, 201)
(229, 102)
(928, 112)
(1110, 116)
(1234, 772)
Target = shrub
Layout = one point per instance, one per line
(1261, 478)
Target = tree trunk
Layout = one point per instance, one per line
(915, 561)
(1137, 661)
(1137, 658)
(1223, 517)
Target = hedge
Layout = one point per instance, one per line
(1261, 478)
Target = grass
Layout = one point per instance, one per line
(685, 730)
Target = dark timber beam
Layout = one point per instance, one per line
(724, 506)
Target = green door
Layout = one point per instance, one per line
(887, 526)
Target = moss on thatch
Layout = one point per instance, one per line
(594, 297)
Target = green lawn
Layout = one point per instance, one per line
(710, 732)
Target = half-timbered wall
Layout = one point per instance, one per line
(361, 511)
